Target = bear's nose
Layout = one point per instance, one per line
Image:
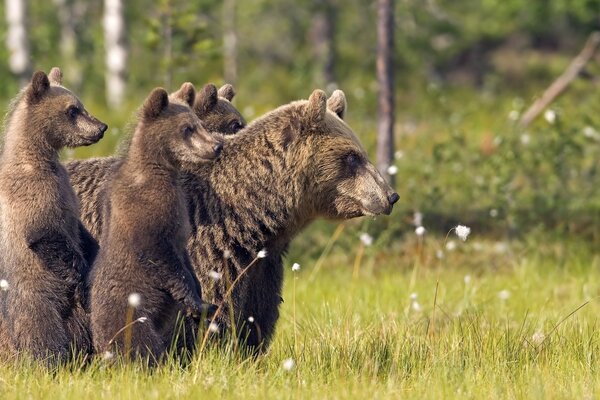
(217, 149)
(393, 198)
(103, 128)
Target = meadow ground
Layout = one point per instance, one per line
(511, 320)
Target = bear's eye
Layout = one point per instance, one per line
(235, 126)
(187, 131)
(352, 160)
(72, 112)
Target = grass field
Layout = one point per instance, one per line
(511, 320)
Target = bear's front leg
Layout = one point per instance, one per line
(57, 253)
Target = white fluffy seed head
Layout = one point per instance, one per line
(366, 239)
(288, 364)
(212, 327)
(415, 306)
(4, 284)
(214, 275)
(295, 267)
(462, 231)
(504, 294)
(392, 170)
(550, 116)
(107, 355)
(134, 300)
(261, 254)
(420, 230)
(251, 319)
(538, 338)
(142, 319)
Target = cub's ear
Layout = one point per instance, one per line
(337, 103)
(38, 87)
(316, 107)
(186, 93)
(206, 100)
(227, 92)
(55, 76)
(155, 104)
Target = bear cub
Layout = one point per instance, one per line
(142, 278)
(46, 251)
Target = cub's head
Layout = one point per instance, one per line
(216, 112)
(339, 178)
(59, 114)
(171, 126)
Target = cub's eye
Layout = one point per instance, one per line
(352, 160)
(235, 126)
(72, 112)
(188, 130)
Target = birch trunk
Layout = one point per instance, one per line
(385, 80)
(116, 52)
(17, 40)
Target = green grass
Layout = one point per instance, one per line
(360, 337)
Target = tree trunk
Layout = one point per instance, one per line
(385, 80)
(322, 36)
(116, 52)
(167, 34)
(17, 40)
(230, 41)
(68, 19)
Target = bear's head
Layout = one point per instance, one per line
(340, 180)
(216, 112)
(58, 114)
(174, 130)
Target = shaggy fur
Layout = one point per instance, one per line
(147, 226)
(45, 250)
(297, 163)
(89, 177)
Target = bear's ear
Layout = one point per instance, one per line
(38, 87)
(316, 107)
(155, 104)
(55, 76)
(227, 91)
(186, 93)
(337, 103)
(206, 100)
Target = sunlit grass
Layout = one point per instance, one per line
(521, 325)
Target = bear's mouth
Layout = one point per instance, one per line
(371, 209)
(91, 139)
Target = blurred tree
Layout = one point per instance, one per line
(17, 40)
(230, 41)
(116, 52)
(179, 31)
(322, 37)
(385, 79)
(70, 13)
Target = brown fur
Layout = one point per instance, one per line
(147, 226)
(280, 173)
(45, 249)
(89, 177)
(216, 111)
(297, 163)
